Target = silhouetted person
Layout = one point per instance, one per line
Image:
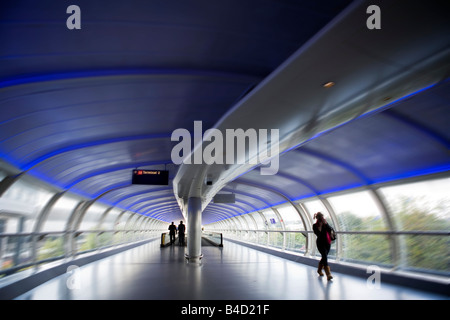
(172, 232)
(321, 230)
(181, 231)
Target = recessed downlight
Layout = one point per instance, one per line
(328, 84)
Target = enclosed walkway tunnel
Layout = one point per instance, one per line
(261, 113)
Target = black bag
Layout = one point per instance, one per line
(332, 234)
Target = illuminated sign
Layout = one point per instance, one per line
(224, 198)
(151, 177)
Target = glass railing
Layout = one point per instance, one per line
(215, 238)
(24, 250)
(420, 251)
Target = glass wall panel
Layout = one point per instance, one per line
(249, 221)
(130, 225)
(60, 214)
(260, 237)
(215, 226)
(244, 235)
(292, 221)
(276, 239)
(272, 220)
(23, 202)
(50, 246)
(422, 207)
(15, 250)
(366, 248)
(295, 241)
(137, 222)
(93, 216)
(88, 239)
(19, 209)
(144, 223)
(426, 253)
(273, 223)
(291, 217)
(315, 206)
(420, 213)
(231, 224)
(119, 235)
(252, 235)
(230, 227)
(244, 222)
(357, 212)
(20, 205)
(111, 219)
(260, 223)
(121, 222)
(238, 223)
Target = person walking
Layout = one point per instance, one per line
(181, 231)
(172, 232)
(321, 230)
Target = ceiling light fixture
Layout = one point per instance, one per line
(329, 84)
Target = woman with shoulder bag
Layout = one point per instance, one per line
(323, 231)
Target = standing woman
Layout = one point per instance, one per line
(321, 230)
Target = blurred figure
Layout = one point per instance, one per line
(181, 231)
(172, 232)
(321, 230)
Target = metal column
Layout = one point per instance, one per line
(194, 229)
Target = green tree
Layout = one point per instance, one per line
(89, 242)
(409, 214)
(363, 247)
(53, 247)
(423, 251)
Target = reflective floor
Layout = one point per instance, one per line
(228, 273)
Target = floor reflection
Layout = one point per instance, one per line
(228, 273)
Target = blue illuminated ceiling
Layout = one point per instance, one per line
(410, 139)
(79, 109)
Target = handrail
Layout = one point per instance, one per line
(286, 241)
(131, 235)
(212, 234)
(44, 233)
(419, 233)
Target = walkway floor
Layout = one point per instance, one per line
(233, 272)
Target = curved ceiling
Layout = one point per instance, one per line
(373, 72)
(410, 139)
(81, 108)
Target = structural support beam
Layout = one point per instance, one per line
(8, 181)
(40, 221)
(307, 223)
(194, 229)
(396, 255)
(69, 231)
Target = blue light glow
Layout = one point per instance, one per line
(147, 191)
(403, 176)
(115, 168)
(414, 174)
(367, 114)
(82, 145)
